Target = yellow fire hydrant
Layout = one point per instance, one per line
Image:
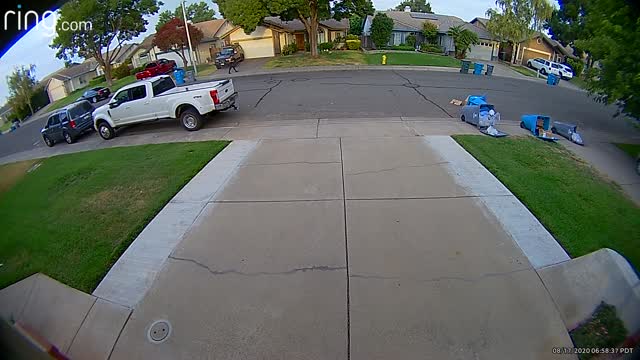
(384, 59)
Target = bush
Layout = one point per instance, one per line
(307, 46)
(431, 48)
(354, 44)
(577, 65)
(121, 71)
(353, 37)
(290, 49)
(97, 80)
(137, 70)
(399, 47)
(325, 46)
(411, 40)
(381, 29)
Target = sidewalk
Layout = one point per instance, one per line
(361, 247)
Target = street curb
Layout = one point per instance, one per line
(134, 272)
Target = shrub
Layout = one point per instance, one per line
(121, 71)
(381, 29)
(290, 49)
(353, 37)
(577, 65)
(137, 70)
(354, 44)
(97, 80)
(338, 40)
(431, 48)
(399, 47)
(411, 40)
(325, 46)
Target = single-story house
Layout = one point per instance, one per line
(5, 111)
(537, 46)
(65, 81)
(126, 53)
(144, 53)
(407, 23)
(270, 38)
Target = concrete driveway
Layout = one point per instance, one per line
(355, 247)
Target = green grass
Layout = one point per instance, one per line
(583, 211)
(117, 84)
(5, 126)
(328, 58)
(415, 59)
(603, 330)
(205, 69)
(524, 71)
(579, 82)
(632, 149)
(74, 215)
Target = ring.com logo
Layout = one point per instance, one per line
(46, 21)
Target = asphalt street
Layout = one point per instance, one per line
(377, 94)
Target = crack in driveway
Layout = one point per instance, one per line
(259, 273)
(396, 168)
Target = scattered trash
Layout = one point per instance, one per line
(481, 114)
(34, 167)
(539, 125)
(456, 102)
(568, 131)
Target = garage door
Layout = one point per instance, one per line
(258, 48)
(481, 51)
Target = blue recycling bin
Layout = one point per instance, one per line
(179, 74)
(477, 68)
(553, 79)
(476, 100)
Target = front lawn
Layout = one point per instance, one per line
(524, 71)
(327, 58)
(413, 59)
(71, 98)
(583, 211)
(632, 149)
(74, 215)
(579, 82)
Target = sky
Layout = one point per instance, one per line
(33, 48)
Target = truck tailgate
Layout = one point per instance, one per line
(225, 90)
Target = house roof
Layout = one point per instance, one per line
(147, 43)
(413, 21)
(209, 28)
(124, 54)
(76, 70)
(482, 22)
(297, 25)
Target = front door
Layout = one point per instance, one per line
(276, 43)
(300, 42)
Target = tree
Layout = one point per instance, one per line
(381, 29)
(249, 14)
(416, 5)
(355, 25)
(22, 84)
(196, 12)
(516, 20)
(567, 24)
(112, 22)
(172, 36)
(430, 31)
(611, 36)
(361, 8)
(463, 39)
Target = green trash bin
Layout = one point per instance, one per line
(465, 66)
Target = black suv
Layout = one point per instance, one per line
(68, 123)
(228, 54)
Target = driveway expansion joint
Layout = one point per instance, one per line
(258, 273)
(442, 278)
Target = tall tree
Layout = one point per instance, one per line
(381, 29)
(22, 84)
(355, 25)
(172, 36)
(611, 36)
(196, 12)
(517, 20)
(249, 14)
(361, 8)
(462, 40)
(416, 5)
(113, 22)
(567, 24)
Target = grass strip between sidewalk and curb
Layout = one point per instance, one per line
(583, 211)
(74, 215)
(346, 57)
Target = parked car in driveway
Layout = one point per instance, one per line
(158, 98)
(96, 94)
(566, 71)
(68, 123)
(228, 54)
(155, 68)
(546, 67)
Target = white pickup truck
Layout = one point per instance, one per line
(158, 98)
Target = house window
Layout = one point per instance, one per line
(397, 38)
(321, 37)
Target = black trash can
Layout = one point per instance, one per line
(465, 66)
(489, 70)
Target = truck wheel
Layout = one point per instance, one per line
(67, 137)
(191, 120)
(462, 118)
(47, 141)
(106, 131)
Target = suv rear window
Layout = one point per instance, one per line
(80, 109)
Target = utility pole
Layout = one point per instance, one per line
(186, 26)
